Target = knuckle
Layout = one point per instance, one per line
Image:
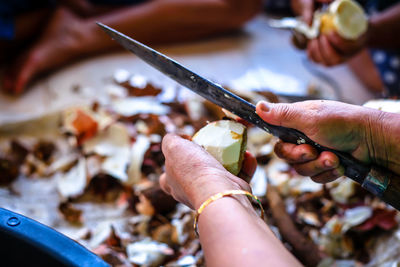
(299, 168)
(286, 151)
(286, 112)
(313, 110)
(169, 144)
(325, 177)
(278, 149)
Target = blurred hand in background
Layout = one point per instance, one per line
(54, 35)
(377, 73)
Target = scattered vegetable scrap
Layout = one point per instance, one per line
(96, 180)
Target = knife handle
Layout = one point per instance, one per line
(378, 180)
(384, 184)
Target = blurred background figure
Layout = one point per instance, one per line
(39, 36)
(374, 57)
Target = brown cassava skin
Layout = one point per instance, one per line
(242, 151)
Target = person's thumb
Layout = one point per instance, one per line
(287, 115)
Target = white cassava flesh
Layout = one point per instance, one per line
(346, 17)
(225, 140)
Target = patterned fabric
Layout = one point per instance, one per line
(9, 9)
(387, 62)
(6, 27)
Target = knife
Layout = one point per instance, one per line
(379, 181)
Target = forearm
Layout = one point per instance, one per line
(383, 29)
(172, 20)
(232, 234)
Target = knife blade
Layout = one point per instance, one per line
(375, 179)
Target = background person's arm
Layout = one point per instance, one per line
(69, 35)
(231, 233)
(162, 21)
(383, 29)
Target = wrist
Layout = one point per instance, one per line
(382, 139)
(238, 198)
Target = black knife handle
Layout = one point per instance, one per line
(384, 184)
(25, 242)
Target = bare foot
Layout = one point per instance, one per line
(60, 43)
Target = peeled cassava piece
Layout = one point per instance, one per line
(226, 141)
(346, 17)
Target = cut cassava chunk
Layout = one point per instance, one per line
(346, 17)
(225, 140)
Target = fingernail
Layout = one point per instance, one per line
(264, 106)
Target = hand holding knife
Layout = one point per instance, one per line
(381, 182)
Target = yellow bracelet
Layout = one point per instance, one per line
(221, 195)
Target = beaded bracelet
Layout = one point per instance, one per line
(221, 195)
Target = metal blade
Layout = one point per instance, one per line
(202, 86)
(354, 169)
(207, 89)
